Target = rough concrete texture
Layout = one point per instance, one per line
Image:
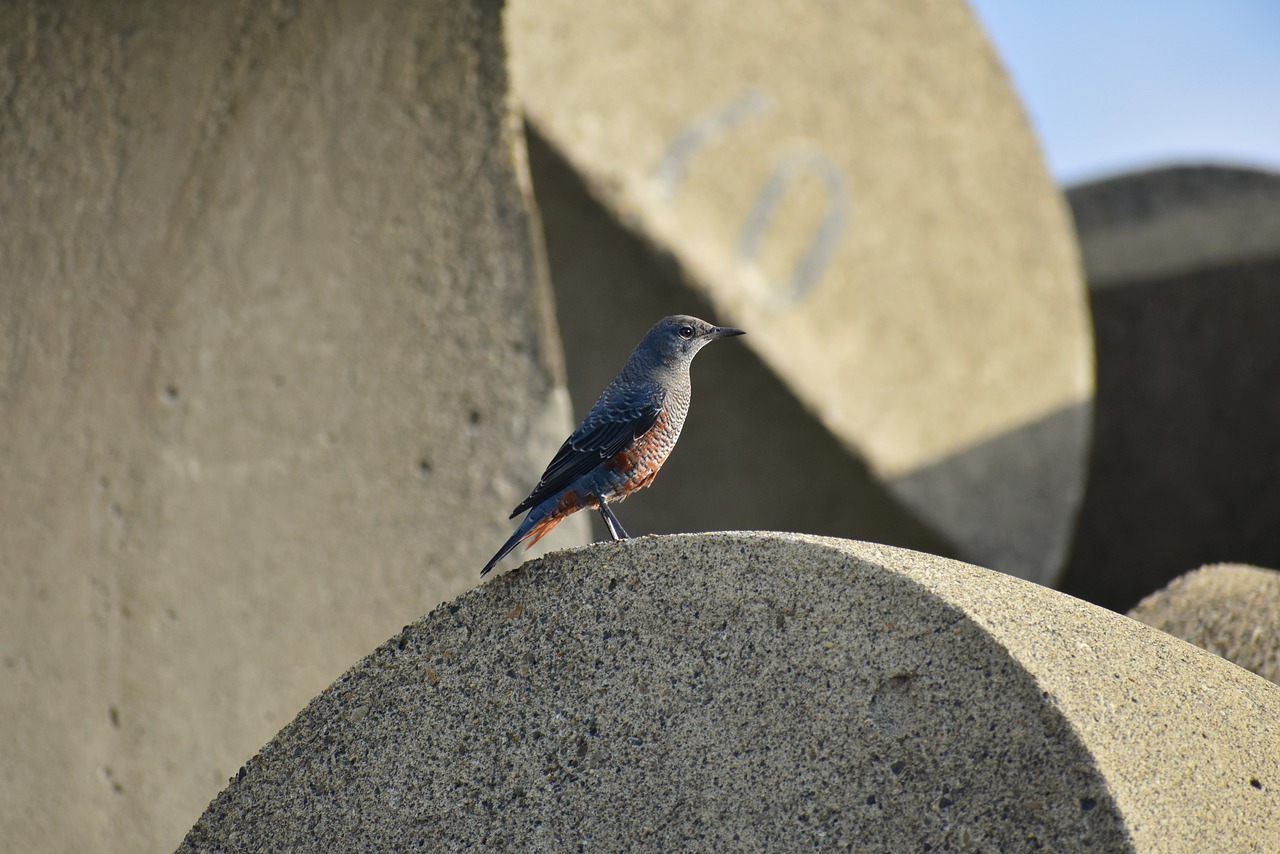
(768, 692)
(856, 185)
(270, 292)
(1184, 462)
(1231, 610)
(750, 455)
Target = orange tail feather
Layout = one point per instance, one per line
(543, 528)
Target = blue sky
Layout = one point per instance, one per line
(1132, 84)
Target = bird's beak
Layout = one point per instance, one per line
(724, 332)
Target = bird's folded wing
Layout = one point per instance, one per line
(609, 427)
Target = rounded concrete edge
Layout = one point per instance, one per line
(1229, 609)
(1109, 700)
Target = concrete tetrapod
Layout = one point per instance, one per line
(1230, 609)
(1182, 266)
(856, 184)
(767, 692)
(276, 361)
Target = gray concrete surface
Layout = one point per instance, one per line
(1182, 265)
(1166, 222)
(1231, 610)
(748, 691)
(856, 184)
(270, 294)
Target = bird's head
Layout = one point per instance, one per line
(677, 339)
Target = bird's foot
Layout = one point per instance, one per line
(611, 522)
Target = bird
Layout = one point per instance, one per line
(624, 438)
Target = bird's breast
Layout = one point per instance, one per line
(635, 466)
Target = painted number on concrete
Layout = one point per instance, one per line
(673, 168)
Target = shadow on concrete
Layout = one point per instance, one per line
(1186, 457)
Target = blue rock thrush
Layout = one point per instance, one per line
(625, 438)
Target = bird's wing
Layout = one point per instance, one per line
(615, 421)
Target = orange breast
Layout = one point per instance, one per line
(638, 465)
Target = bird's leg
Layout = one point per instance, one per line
(611, 522)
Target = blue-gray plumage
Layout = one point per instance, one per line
(625, 437)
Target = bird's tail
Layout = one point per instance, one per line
(533, 528)
(506, 549)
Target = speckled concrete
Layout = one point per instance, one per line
(1230, 609)
(767, 692)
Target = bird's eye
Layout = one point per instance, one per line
(686, 331)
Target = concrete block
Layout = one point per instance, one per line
(856, 184)
(768, 692)
(1229, 609)
(1182, 267)
(276, 360)
(1166, 222)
